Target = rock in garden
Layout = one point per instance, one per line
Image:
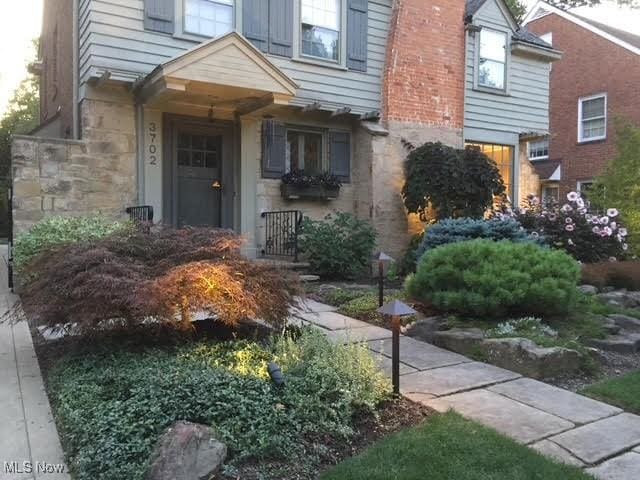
(424, 328)
(625, 322)
(621, 343)
(459, 340)
(526, 357)
(187, 451)
(588, 289)
(621, 298)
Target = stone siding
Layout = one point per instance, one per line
(70, 178)
(529, 180)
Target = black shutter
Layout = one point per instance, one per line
(255, 22)
(274, 146)
(159, 15)
(340, 154)
(357, 27)
(281, 27)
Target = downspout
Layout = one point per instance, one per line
(76, 73)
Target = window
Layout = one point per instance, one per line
(492, 64)
(503, 156)
(592, 118)
(202, 151)
(539, 149)
(304, 151)
(320, 20)
(550, 194)
(583, 188)
(210, 18)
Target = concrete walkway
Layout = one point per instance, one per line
(29, 443)
(568, 427)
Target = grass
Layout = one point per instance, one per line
(449, 447)
(623, 391)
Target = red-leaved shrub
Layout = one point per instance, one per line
(612, 274)
(166, 276)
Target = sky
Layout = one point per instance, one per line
(23, 19)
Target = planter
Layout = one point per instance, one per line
(313, 192)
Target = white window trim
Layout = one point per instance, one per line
(507, 64)
(179, 30)
(540, 157)
(580, 183)
(581, 139)
(298, 56)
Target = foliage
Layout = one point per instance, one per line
(340, 246)
(340, 296)
(463, 229)
(518, 9)
(572, 227)
(450, 447)
(407, 263)
(113, 406)
(300, 179)
(612, 274)
(498, 279)
(568, 4)
(365, 307)
(56, 231)
(168, 275)
(623, 391)
(528, 326)
(619, 185)
(452, 182)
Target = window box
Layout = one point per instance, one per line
(311, 192)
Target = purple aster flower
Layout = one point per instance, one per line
(604, 220)
(612, 212)
(573, 196)
(569, 228)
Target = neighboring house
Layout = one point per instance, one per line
(596, 82)
(198, 107)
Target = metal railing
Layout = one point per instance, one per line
(142, 216)
(10, 239)
(281, 233)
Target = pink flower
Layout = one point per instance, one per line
(580, 202)
(613, 225)
(582, 211)
(625, 247)
(604, 220)
(566, 208)
(606, 232)
(573, 196)
(623, 232)
(596, 230)
(570, 242)
(568, 220)
(612, 212)
(569, 228)
(552, 217)
(588, 217)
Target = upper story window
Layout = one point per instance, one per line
(539, 149)
(210, 18)
(592, 118)
(492, 63)
(320, 29)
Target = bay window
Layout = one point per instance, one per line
(320, 29)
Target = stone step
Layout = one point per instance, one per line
(624, 342)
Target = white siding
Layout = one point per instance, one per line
(112, 37)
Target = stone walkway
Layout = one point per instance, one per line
(29, 444)
(568, 427)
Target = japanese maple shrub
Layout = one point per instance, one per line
(484, 278)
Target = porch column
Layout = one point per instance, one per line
(249, 165)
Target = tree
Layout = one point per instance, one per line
(518, 9)
(567, 4)
(619, 186)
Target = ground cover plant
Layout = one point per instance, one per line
(450, 447)
(623, 391)
(112, 404)
(167, 275)
(483, 278)
(340, 246)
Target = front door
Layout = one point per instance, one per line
(199, 155)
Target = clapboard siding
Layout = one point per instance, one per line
(112, 37)
(526, 107)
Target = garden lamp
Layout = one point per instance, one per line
(396, 309)
(276, 374)
(382, 259)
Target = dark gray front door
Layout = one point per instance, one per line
(199, 157)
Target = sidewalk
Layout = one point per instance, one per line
(568, 427)
(28, 435)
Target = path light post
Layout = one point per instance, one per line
(382, 259)
(396, 310)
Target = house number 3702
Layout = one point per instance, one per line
(153, 147)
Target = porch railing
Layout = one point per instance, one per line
(141, 215)
(281, 233)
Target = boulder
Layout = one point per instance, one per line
(621, 298)
(187, 451)
(624, 342)
(461, 340)
(588, 289)
(630, 324)
(424, 328)
(526, 357)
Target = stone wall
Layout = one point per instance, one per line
(70, 178)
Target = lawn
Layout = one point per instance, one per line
(448, 447)
(622, 391)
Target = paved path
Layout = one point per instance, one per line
(568, 427)
(28, 435)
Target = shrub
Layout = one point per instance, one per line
(113, 406)
(168, 275)
(463, 229)
(455, 183)
(407, 263)
(340, 246)
(498, 279)
(62, 230)
(613, 274)
(585, 235)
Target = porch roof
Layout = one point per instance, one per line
(225, 72)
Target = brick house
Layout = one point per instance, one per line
(596, 82)
(198, 107)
